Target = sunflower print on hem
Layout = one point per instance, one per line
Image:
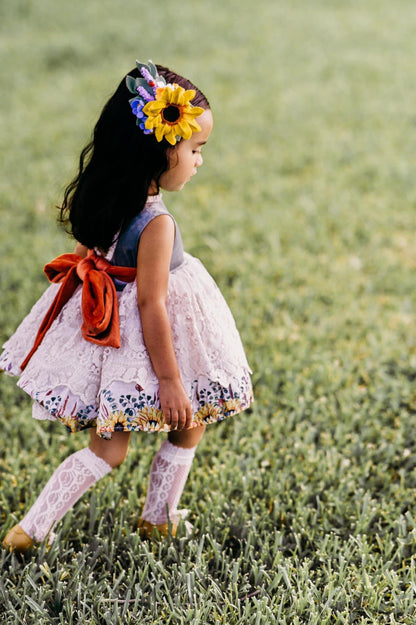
(74, 425)
(214, 413)
(211, 403)
(73, 418)
(140, 410)
(148, 419)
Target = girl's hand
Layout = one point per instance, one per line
(175, 404)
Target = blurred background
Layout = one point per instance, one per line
(304, 214)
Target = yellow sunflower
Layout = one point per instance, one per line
(117, 421)
(152, 417)
(70, 423)
(209, 413)
(232, 406)
(172, 114)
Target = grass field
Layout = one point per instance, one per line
(304, 507)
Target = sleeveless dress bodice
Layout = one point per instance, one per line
(127, 246)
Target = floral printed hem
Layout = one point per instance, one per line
(123, 409)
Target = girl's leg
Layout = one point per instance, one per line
(69, 482)
(114, 451)
(168, 475)
(186, 438)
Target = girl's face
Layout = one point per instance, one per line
(186, 157)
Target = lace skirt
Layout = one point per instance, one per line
(86, 385)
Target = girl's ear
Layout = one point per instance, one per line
(172, 154)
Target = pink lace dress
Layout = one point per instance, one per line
(84, 385)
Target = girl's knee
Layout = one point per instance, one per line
(114, 451)
(187, 438)
(116, 459)
(111, 458)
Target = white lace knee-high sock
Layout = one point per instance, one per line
(169, 472)
(68, 483)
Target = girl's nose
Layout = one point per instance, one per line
(199, 160)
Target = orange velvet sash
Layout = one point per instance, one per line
(99, 297)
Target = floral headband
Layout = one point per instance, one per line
(162, 108)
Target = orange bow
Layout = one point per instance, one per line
(99, 297)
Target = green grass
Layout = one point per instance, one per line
(303, 507)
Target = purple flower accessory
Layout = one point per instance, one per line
(145, 90)
(137, 108)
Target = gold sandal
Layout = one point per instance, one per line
(16, 539)
(148, 530)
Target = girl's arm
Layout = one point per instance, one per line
(153, 261)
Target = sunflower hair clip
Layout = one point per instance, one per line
(162, 108)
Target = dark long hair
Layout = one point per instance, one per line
(116, 169)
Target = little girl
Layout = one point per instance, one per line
(132, 334)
